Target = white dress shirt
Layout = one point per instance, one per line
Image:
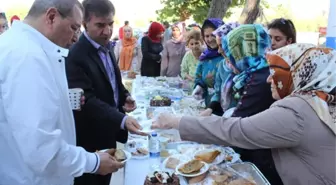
(37, 130)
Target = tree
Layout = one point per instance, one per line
(218, 8)
(250, 12)
(180, 10)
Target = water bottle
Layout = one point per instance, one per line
(154, 152)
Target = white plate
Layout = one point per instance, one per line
(146, 126)
(189, 149)
(138, 143)
(204, 169)
(128, 155)
(140, 156)
(219, 159)
(182, 158)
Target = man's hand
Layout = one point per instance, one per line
(166, 121)
(133, 126)
(108, 164)
(130, 104)
(82, 100)
(207, 112)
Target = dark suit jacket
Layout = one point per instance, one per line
(98, 123)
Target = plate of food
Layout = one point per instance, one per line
(138, 148)
(171, 162)
(120, 155)
(227, 155)
(210, 156)
(219, 176)
(192, 168)
(162, 177)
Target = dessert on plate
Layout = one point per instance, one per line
(162, 178)
(208, 157)
(160, 101)
(191, 167)
(140, 152)
(172, 162)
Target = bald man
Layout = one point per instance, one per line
(37, 131)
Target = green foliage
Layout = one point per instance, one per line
(180, 10)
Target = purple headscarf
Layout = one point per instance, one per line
(210, 52)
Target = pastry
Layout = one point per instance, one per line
(226, 177)
(190, 167)
(172, 163)
(131, 75)
(120, 155)
(208, 157)
(164, 153)
(140, 152)
(162, 178)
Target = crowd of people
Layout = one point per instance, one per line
(270, 98)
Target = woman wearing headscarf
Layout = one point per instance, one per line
(3, 22)
(209, 62)
(14, 18)
(151, 48)
(222, 73)
(128, 52)
(245, 92)
(300, 127)
(173, 52)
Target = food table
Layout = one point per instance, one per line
(145, 90)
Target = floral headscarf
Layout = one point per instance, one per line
(225, 29)
(245, 48)
(210, 52)
(312, 77)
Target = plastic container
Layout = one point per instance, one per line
(154, 151)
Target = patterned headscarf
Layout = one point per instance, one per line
(210, 52)
(245, 48)
(225, 29)
(312, 77)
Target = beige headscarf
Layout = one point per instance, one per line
(312, 74)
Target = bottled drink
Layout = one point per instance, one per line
(154, 151)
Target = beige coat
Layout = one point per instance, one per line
(303, 147)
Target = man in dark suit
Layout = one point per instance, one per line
(92, 67)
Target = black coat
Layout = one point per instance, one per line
(98, 123)
(151, 58)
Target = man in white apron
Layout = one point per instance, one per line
(37, 131)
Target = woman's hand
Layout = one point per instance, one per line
(198, 93)
(166, 121)
(190, 78)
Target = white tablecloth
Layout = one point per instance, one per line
(136, 171)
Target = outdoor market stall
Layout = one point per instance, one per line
(157, 95)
